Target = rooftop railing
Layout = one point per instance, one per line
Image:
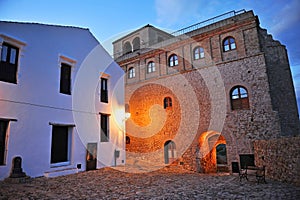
(207, 22)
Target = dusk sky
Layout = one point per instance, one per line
(108, 19)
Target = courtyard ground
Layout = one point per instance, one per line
(167, 183)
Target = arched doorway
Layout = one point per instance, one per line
(213, 152)
(169, 152)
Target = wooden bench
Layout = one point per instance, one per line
(259, 173)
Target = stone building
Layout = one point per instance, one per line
(201, 96)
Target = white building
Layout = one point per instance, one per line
(60, 94)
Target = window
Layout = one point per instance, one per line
(173, 60)
(131, 72)
(65, 79)
(127, 140)
(104, 90)
(127, 48)
(221, 154)
(104, 122)
(9, 63)
(198, 53)
(239, 98)
(61, 144)
(167, 102)
(3, 129)
(151, 67)
(136, 44)
(229, 44)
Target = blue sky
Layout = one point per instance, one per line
(108, 19)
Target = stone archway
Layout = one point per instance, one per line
(212, 160)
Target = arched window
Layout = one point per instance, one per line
(151, 67)
(173, 60)
(127, 140)
(239, 98)
(127, 48)
(167, 102)
(169, 152)
(131, 72)
(229, 44)
(136, 43)
(198, 53)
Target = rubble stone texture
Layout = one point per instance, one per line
(281, 158)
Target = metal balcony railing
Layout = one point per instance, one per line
(207, 22)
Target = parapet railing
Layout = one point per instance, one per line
(207, 22)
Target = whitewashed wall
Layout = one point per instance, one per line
(35, 100)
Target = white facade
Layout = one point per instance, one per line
(34, 108)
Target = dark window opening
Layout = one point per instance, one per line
(127, 140)
(127, 48)
(3, 129)
(221, 154)
(167, 102)
(136, 44)
(104, 122)
(65, 79)
(104, 90)
(246, 160)
(239, 98)
(9, 63)
(60, 144)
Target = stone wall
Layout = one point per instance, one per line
(281, 158)
(201, 91)
(281, 84)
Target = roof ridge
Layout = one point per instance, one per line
(44, 24)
